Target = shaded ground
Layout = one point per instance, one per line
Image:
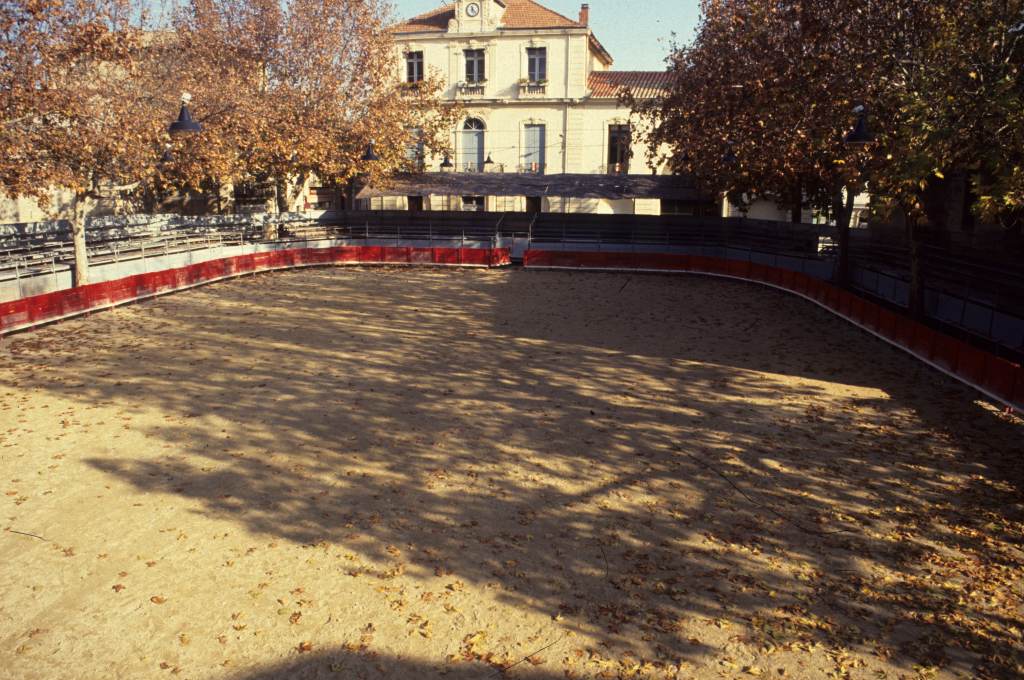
(346, 473)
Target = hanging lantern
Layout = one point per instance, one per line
(185, 124)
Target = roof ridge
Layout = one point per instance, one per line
(518, 15)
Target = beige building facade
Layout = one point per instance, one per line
(539, 97)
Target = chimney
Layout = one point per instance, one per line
(585, 15)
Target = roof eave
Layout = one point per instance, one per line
(599, 49)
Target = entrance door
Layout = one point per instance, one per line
(415, 203)
(533, 204)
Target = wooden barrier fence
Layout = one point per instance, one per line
(40, 309)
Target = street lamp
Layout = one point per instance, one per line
(447, 164)
(370, 154)
(184, 124)
(859, 135)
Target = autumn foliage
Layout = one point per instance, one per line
(764, 95)
(288, 91)
(284, 91)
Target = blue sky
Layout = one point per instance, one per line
(636, 32)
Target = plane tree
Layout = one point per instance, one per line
(763, 98)
(69, 110)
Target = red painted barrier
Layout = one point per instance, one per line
(395, 255)
(1018, 387)
(31, 311)
(421, 255)
(997, 377)
(1000, 376)
(945, 351)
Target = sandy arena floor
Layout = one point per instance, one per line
(347, 473)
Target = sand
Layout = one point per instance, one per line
(415, 473)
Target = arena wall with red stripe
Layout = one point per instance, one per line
(48, 307)
(994, 376)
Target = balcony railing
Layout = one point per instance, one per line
(532, 168)
(410, 89)
(471, 88)
(533, 89)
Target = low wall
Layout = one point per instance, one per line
(994, 376)
(40, 309)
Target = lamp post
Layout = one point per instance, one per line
(184, 126)
(369, 156)
(857, 138)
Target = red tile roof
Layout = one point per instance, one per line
(529, 14)
(435, 20)
(518, 14)
(643, 84)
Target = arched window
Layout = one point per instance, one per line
(472, 159)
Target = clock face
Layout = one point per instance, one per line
(472, 9)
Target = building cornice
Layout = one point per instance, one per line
(509, 32)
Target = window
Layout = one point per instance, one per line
(475, 66)
(415, 203)
(537, 64)
(472, 158)
(414, 67)
(534, 143)
(473, 203)
(619, 142)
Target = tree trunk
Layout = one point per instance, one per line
(282, 195)
(81, 208)
(350, 195)
(796, 216)
(844, 215)
(916, 236)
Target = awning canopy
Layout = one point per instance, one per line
(612, 187)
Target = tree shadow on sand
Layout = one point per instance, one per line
(668, 467)
(355, 665)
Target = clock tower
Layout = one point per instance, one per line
(476, 16)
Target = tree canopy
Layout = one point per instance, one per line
(284, 91)
(764, 95)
